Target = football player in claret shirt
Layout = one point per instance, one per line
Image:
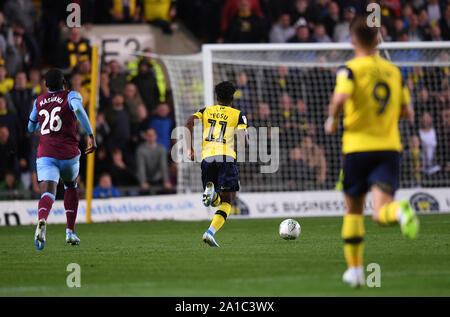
(371, 94)
(55, 116)
(220, 175)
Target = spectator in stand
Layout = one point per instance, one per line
(286, 120)
(384, 32)
(76, 81)
(44, 88)
(117, 79)
(84, 69)
(320, 34)
(162, 123)
(8, 153)
(262, 117)
(2, 35)
(10, 119)
(331, 19)
(22, 10)
(425, 102)
(10, 186)
(102, 162)
(429, 140)
(133, 66)
(279, 82)
(243, 95)
(342, 29)
(145, 82)
(231, 8)
(445, 115)
(132, 100)
(322, 7)
(434, 11)
(6, 83)
(105, 188)
(245, 26)
(302, 10)
(301, 35)
(160, 13)
(407, 12)
(121, 173)
(444, 24)
(151, 158)
(102, 129)
(18, 53)
(414, 32)
(436, 33)
(24, 47)
(124, 11)
(119, 121)
(411, 162)
(424, 26)
(74, 50)
(105, 95)
(282, 31)
(398, 28)
(35, 81)
(140, 126)
(307, 165)
(22, 98)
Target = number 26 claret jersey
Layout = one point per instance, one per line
(219, 126)
(372, 112)
(58, 125)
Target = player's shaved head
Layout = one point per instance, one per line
(54, 79)
(365, 35)
(225, 92)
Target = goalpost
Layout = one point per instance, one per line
(289, 86)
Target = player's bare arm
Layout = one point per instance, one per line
(189, 141)
(335, 108)
(408, 112)
(92, 144)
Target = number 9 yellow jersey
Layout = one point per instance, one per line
(372, 112)
(219, 126)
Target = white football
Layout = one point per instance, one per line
(290, 229)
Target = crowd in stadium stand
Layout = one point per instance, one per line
(135, 111)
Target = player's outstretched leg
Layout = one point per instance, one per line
(389, 212)
(44, 207)
(218, 221)
(71, 199)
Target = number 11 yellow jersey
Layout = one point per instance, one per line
(372, 112)
(219, 126)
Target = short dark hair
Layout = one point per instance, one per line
(54, 79)
(365, 35)
(225, 91)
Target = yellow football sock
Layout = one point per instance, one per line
(221, 215)
(388, 213)
(353, 235)
(216, 200)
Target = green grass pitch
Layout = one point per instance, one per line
(169, 259)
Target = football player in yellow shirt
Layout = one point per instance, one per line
(370, 93)
(220, 175)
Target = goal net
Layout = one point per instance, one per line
(285, 89)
